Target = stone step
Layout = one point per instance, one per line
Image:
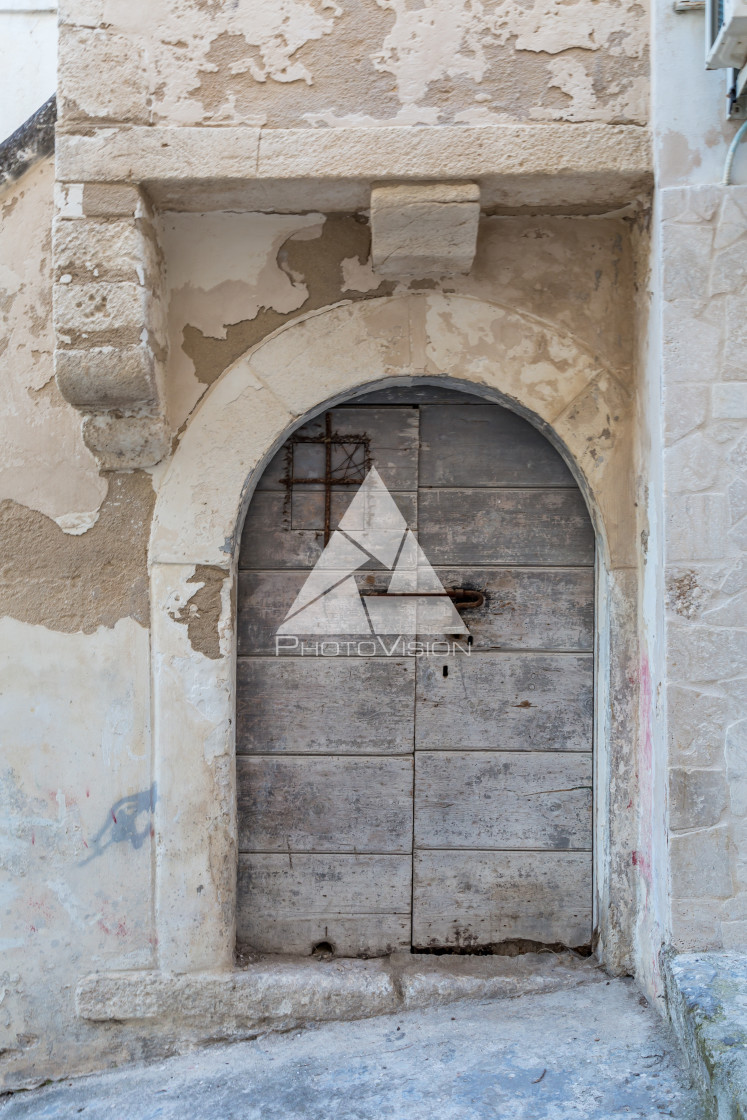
(707, 1003)
(277, 993)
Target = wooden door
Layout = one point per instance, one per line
(389, 801)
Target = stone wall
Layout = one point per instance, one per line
(76, 840)
(704, 263)
(214, 180)
(357, 63)
(74, 707)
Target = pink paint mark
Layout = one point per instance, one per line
(113, 817)
(88, 793)
(85, 844)
(103, 927)
(646, 710)
(645, 770)
(41, 906)
(33, 839)
(121, 930)
(33, 929)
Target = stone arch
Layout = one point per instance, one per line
(529, 365)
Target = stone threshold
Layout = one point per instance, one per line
(707, 1004)
(280, 993)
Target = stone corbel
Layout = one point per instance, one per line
(110, 322)
(421, 230)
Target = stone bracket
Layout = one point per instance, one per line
(110, 322)
(423, 230)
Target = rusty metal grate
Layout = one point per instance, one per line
(350, 469)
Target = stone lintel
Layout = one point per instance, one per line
(579, 168)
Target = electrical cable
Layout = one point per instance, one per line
(726, 177)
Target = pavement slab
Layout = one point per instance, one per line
(591, 1052)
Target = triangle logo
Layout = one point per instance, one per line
(372, 528)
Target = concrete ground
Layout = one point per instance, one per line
(592, 1052)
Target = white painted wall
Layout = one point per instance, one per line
(28, 59)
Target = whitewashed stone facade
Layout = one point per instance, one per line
(208, 244)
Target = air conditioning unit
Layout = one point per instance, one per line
(726, 34)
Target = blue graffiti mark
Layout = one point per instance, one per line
(123, 825)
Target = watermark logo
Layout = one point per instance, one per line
(330, 604)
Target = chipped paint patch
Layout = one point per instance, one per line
(222, 269)
(224, 299)
(201, 613)
(67, 582)
(290, 63)
(77, 523)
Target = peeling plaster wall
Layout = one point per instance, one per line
(44, 463)
(79, 889)
(352, 62)
(234, 278)
(75, 826)
(662, 306)
(75, 790)
(658, 298)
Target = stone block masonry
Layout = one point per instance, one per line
(704, 263)
(110, 321)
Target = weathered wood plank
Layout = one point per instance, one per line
(502, 800)
(393, 435)
(324, 804)
(528, 608)
(525, 527)
(264, 599)
(473, 899)
(268, 541)
(492, 493)
(360, 904)
(524, 608)
(505, 701)
(415, 394)
(307, 507)
(331, 706)
(482, 444)
(279, 534)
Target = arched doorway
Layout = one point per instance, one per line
(311, 364)
(428, 788)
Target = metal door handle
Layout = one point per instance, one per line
(464, 598)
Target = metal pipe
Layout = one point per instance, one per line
(726, 177)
